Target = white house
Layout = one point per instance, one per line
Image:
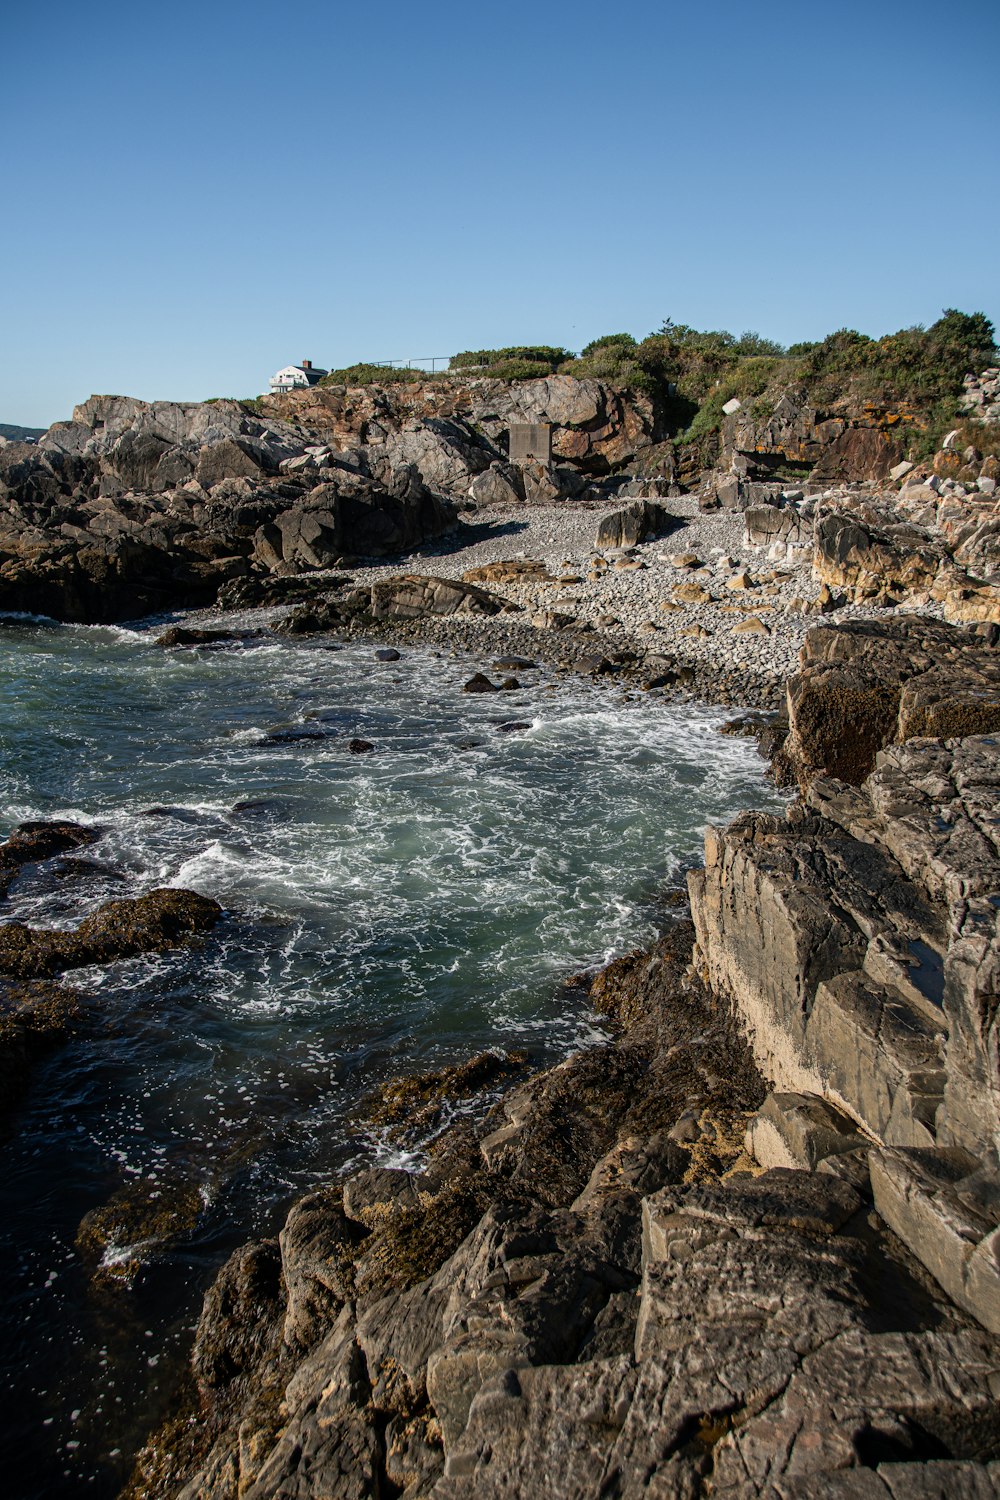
(293, 376)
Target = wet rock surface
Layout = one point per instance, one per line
(31, 843)
(35, 1019)
(153, 923)
(864, 685)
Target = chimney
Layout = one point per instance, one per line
(307, 364)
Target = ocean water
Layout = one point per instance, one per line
(390, 911)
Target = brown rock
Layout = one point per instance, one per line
(154, 923)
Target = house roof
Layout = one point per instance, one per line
(312, 375)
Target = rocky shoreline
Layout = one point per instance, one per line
(750, 1245)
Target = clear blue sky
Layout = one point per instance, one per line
(197, 194)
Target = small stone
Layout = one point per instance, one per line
(751, 626)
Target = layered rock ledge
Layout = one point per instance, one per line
(860, 943)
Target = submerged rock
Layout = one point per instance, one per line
(136, 1225)
(30, 843)
(35, 1018)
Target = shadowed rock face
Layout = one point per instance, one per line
(134, 506)
(851, 442)
(35, 1018)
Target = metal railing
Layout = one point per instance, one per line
(433, 360)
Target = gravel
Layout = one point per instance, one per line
(617, 606)
(638, 582)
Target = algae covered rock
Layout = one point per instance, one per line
(31, 843)
(154, 923)
(137, 1224)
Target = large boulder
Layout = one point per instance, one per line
(635, 523)
(863, 685)
(413, 595)
(154, 923)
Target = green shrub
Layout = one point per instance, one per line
(473, 357)
(922, 367)
(750, 345)
(544, 355)
(749, 381)
(609, 341)
(518, 369)
(614, 362)
(365, 374)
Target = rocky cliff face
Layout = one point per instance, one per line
(933, 543)
(749, 1247)
(865, 685)
(136, 506)
(858, 939)
(847, 442)
(133, 507)
(597, 428)
(593, 1287)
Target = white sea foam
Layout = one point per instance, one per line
(383, 912)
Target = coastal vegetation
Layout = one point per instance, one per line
(693, 373)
